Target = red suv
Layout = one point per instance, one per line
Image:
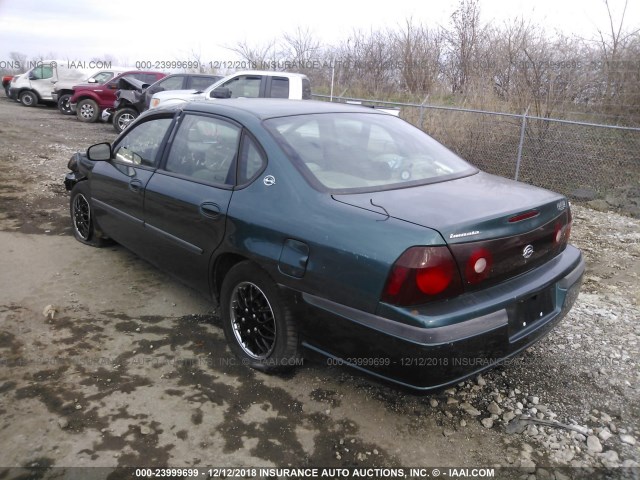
(90, 99)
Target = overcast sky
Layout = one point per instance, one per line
(132, 31)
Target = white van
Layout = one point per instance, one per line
(36, 84)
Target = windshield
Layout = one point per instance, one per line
(344, 152)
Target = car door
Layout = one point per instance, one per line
(41, 80)
(118, 186)
(277, 87)
(187, 198)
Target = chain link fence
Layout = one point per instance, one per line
(584, 161)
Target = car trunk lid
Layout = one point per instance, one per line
(495, 228)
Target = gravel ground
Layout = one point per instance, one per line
(89, 340)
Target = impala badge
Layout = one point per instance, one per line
(269, 180)
(528, 251)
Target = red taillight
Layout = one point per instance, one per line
(421, 275)
(562, 231)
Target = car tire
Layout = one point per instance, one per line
(87, 110)
(123, 118)
(250, 299)
(63, 104)
(28, 99)
(82, 221)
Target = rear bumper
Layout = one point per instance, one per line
(54, 96)
(432, 347)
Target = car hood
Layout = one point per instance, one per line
(477, 207)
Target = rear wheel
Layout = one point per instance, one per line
(87, 110)
(123, 118)
(82, 221)
(28, 99)
(257, 322)
(63, 104)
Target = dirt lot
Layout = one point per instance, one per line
(105, 361)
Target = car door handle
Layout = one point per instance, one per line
(210, 210)
(135, 186)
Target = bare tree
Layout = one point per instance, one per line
(617, 62)
(463, 38)
(265, 56)
(419, 51)
(301, 46)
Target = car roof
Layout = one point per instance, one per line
(264, 108)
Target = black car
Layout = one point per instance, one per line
(181, 81)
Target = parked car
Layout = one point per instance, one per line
(35, 85)
(249, 84)
(130, 102)
(181, 81)
(335, 229)
(6, 80)
(63, 90)
(88, 100)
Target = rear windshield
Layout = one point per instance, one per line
(348, 152)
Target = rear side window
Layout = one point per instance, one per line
(201, 83)
(279, 87)
(204, 149)
(252, 160)
(151, 78)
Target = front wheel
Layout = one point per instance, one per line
(82, 221)
(63, 104)
(123, 118)
(87, 110)
(28, 99)
(257, 322)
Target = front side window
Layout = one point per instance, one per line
(42, 73)
(205, 148)
(244, 86)
(140, 145)
(363, 151)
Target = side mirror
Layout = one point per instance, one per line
(220, 92)
(92, 80)
(100, 152)
(32, 76)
